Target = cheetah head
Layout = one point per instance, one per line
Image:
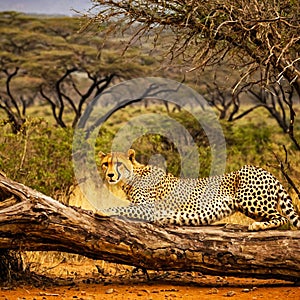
(117, 166)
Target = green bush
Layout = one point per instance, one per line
(247, 144)
(39, 156)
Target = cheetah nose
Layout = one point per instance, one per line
(110, 175)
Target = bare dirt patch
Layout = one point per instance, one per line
(88, 279)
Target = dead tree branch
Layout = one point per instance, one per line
(30, 220)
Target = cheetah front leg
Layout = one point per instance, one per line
(141, 212)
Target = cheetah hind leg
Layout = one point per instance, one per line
(272, 222)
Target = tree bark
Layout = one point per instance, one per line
(30, 220)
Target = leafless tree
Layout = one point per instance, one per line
(260, 35)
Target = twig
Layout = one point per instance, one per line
(284, 172)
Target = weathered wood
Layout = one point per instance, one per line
(32, 221)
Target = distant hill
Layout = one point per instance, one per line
(45, 7)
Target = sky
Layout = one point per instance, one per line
(46, 6)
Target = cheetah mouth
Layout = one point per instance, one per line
(112, 181)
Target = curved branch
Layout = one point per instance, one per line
(53, 108)
(59, 94)
(11, 97)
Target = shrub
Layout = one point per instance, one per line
(39, 156)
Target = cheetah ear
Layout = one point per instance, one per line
(131, 155)
(101, 155)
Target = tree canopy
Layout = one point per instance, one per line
(262, 37)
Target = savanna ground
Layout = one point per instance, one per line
(74, 277)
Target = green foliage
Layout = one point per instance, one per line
(38, 156)
(43, 44)
(248, 144)
(149, 144)
(103, 142)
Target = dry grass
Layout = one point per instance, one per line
(68, 266)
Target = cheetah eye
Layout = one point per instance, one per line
(105, 164)
(118, 164)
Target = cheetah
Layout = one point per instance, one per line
(157, 196)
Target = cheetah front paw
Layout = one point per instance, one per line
(99, 213)
(256, 226)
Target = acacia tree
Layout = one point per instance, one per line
(71, 79)
(260, 39)
(18, 88)
(48, 60)
(22, 39)
(263, 35)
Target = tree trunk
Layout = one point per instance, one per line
(30, 220)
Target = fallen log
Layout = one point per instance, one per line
(30, 220)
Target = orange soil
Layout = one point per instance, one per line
(83, 281)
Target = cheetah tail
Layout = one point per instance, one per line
(286, 205)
